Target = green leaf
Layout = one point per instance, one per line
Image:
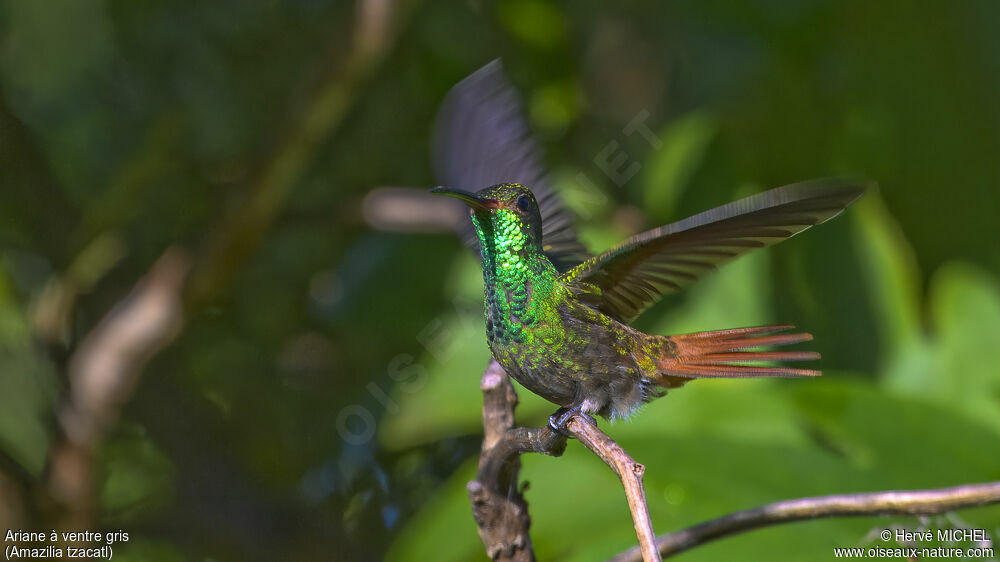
(957, 366)
(27, 388)
(891, 274)
(554, 106)
(670, 167)
(534, 22)
(135, 477)
(586, 200)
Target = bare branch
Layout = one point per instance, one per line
(498, 506)
(920, 502)
(502, 442)
(629, 472)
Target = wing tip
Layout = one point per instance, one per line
(842, 191)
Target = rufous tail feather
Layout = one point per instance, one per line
(723, 354)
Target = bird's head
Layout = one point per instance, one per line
(504, 215)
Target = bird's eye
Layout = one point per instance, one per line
(523, 203)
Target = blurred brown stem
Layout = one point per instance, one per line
(105, 368)
(920, 502)
(376, 26)
(102, 374)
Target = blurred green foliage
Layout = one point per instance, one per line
(29, 385)
(128, 127)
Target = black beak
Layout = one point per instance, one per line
(470, 199)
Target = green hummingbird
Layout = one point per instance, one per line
(558, 320)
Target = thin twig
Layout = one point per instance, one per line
(585, 430)
(911, 503)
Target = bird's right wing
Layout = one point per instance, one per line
(481, 139)
(625, 280)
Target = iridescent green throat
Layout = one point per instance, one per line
(519, 278)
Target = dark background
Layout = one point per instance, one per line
(320, 399)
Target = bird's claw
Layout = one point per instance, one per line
(559, 420)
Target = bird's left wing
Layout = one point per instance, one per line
(624, 281)
(481, 139)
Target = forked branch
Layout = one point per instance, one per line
(497, 504)
(499, 508)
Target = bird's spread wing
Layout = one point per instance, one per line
(625, 280)
(481, 139)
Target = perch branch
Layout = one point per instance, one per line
(499, 508)
(585, 430)
(920, 502)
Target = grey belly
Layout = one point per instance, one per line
(542, 377)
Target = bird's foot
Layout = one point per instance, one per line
(558, 420)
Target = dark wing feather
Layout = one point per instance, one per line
(625, 280)
(481, 139)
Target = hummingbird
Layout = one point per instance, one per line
(557, 319)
